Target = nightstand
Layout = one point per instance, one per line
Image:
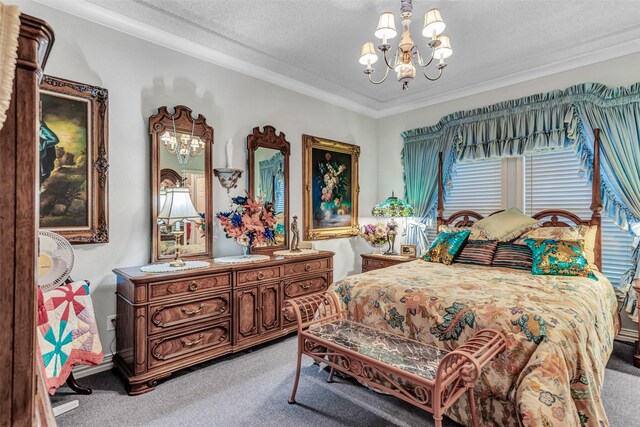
(377, 261)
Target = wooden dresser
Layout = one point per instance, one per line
(376, 261)
(166, 322)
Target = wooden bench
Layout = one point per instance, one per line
(423, 375)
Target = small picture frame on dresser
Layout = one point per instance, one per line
(409, 250)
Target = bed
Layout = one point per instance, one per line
(560, 329)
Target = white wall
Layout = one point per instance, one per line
(141, 77)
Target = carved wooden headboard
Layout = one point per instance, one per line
(549, 217)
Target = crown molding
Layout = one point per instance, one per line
(133, 27)
(621, 43)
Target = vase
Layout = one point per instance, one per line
(246, 249)
(377, 248)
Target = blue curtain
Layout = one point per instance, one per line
(270, 169)
(419, 157)
(547, 121)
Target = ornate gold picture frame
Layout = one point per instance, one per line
(331, 188)
(74, 161)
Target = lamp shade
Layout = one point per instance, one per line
(386, 26)
(368, 54)
(444, 50)
(178, 206)
(433, 24)
(392, 208)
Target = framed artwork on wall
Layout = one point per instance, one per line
(330, 188)
(74, 160)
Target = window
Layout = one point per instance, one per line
(552, 180)
(476, 186)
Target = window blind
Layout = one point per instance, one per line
(552, 180)
(476, 186)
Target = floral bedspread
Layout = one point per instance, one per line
(69, 334)
(559, 333)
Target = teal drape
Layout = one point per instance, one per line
(546, 121)
(270, 169)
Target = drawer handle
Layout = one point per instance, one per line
(260, 275)
(305, 285)
(193, 286)
(192, 312)
(307, 267)
(185, 342)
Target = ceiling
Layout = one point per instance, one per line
(312, 46)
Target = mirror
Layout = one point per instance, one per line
(181, 151)
(269, 175)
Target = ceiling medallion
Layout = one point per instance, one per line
(403, 60)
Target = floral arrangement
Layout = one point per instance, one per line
(375, 234)
(251, 223)
(333, 183)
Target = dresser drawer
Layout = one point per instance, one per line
(296, 288)
(372, 264)
(306, 267)
(193, 286)
(175, 347)
(168, 316)
(258, 275)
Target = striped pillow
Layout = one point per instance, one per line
(477, 252)
(510, 255)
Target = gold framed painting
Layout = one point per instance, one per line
(409, 251)
(74, 160)
(331, 188)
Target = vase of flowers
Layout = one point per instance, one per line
(375, 235)
(251, 223)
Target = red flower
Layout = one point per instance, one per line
(327, 156)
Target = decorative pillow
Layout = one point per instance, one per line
(506, 225)
(446, 246)
(477, 252)
(475, 234)
(559, 258)
(510, 255)
(575, 233)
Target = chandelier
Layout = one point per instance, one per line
(184, 147)
(407, 52)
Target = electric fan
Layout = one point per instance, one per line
(55, 260)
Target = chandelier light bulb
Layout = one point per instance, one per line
(444, 49)
(368, 55)
(433, 24)
(386, 27)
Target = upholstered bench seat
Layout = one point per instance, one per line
(423, 375)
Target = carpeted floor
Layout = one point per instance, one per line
(252, 388)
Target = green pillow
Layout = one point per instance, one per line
(446, 246)
(506, 225)
(559, 258)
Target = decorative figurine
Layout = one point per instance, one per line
(295, 235)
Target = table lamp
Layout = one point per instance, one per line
(177, 208)
(392, 208)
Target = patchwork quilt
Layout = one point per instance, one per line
(69, 334)
(559, 332)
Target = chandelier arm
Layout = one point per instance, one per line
(430, 59)
(386, 74)
(386, 61)
(433, 79)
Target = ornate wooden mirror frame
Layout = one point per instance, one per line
(267, 138)
(184, 124)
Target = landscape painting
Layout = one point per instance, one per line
(331, 183)
(73, 160)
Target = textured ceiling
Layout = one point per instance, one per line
(317, 42)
